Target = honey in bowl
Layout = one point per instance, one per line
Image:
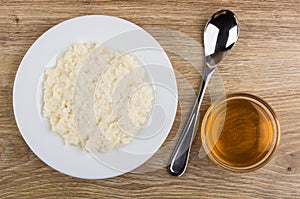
(240, 133)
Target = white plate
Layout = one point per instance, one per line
(49, 147)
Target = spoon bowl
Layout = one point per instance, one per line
(220, 35)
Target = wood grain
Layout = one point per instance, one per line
(265, 62)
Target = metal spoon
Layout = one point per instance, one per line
(220, 34)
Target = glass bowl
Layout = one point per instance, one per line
(240, 133)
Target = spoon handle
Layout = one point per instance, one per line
(180, 156)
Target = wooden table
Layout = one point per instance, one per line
(265, 62)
